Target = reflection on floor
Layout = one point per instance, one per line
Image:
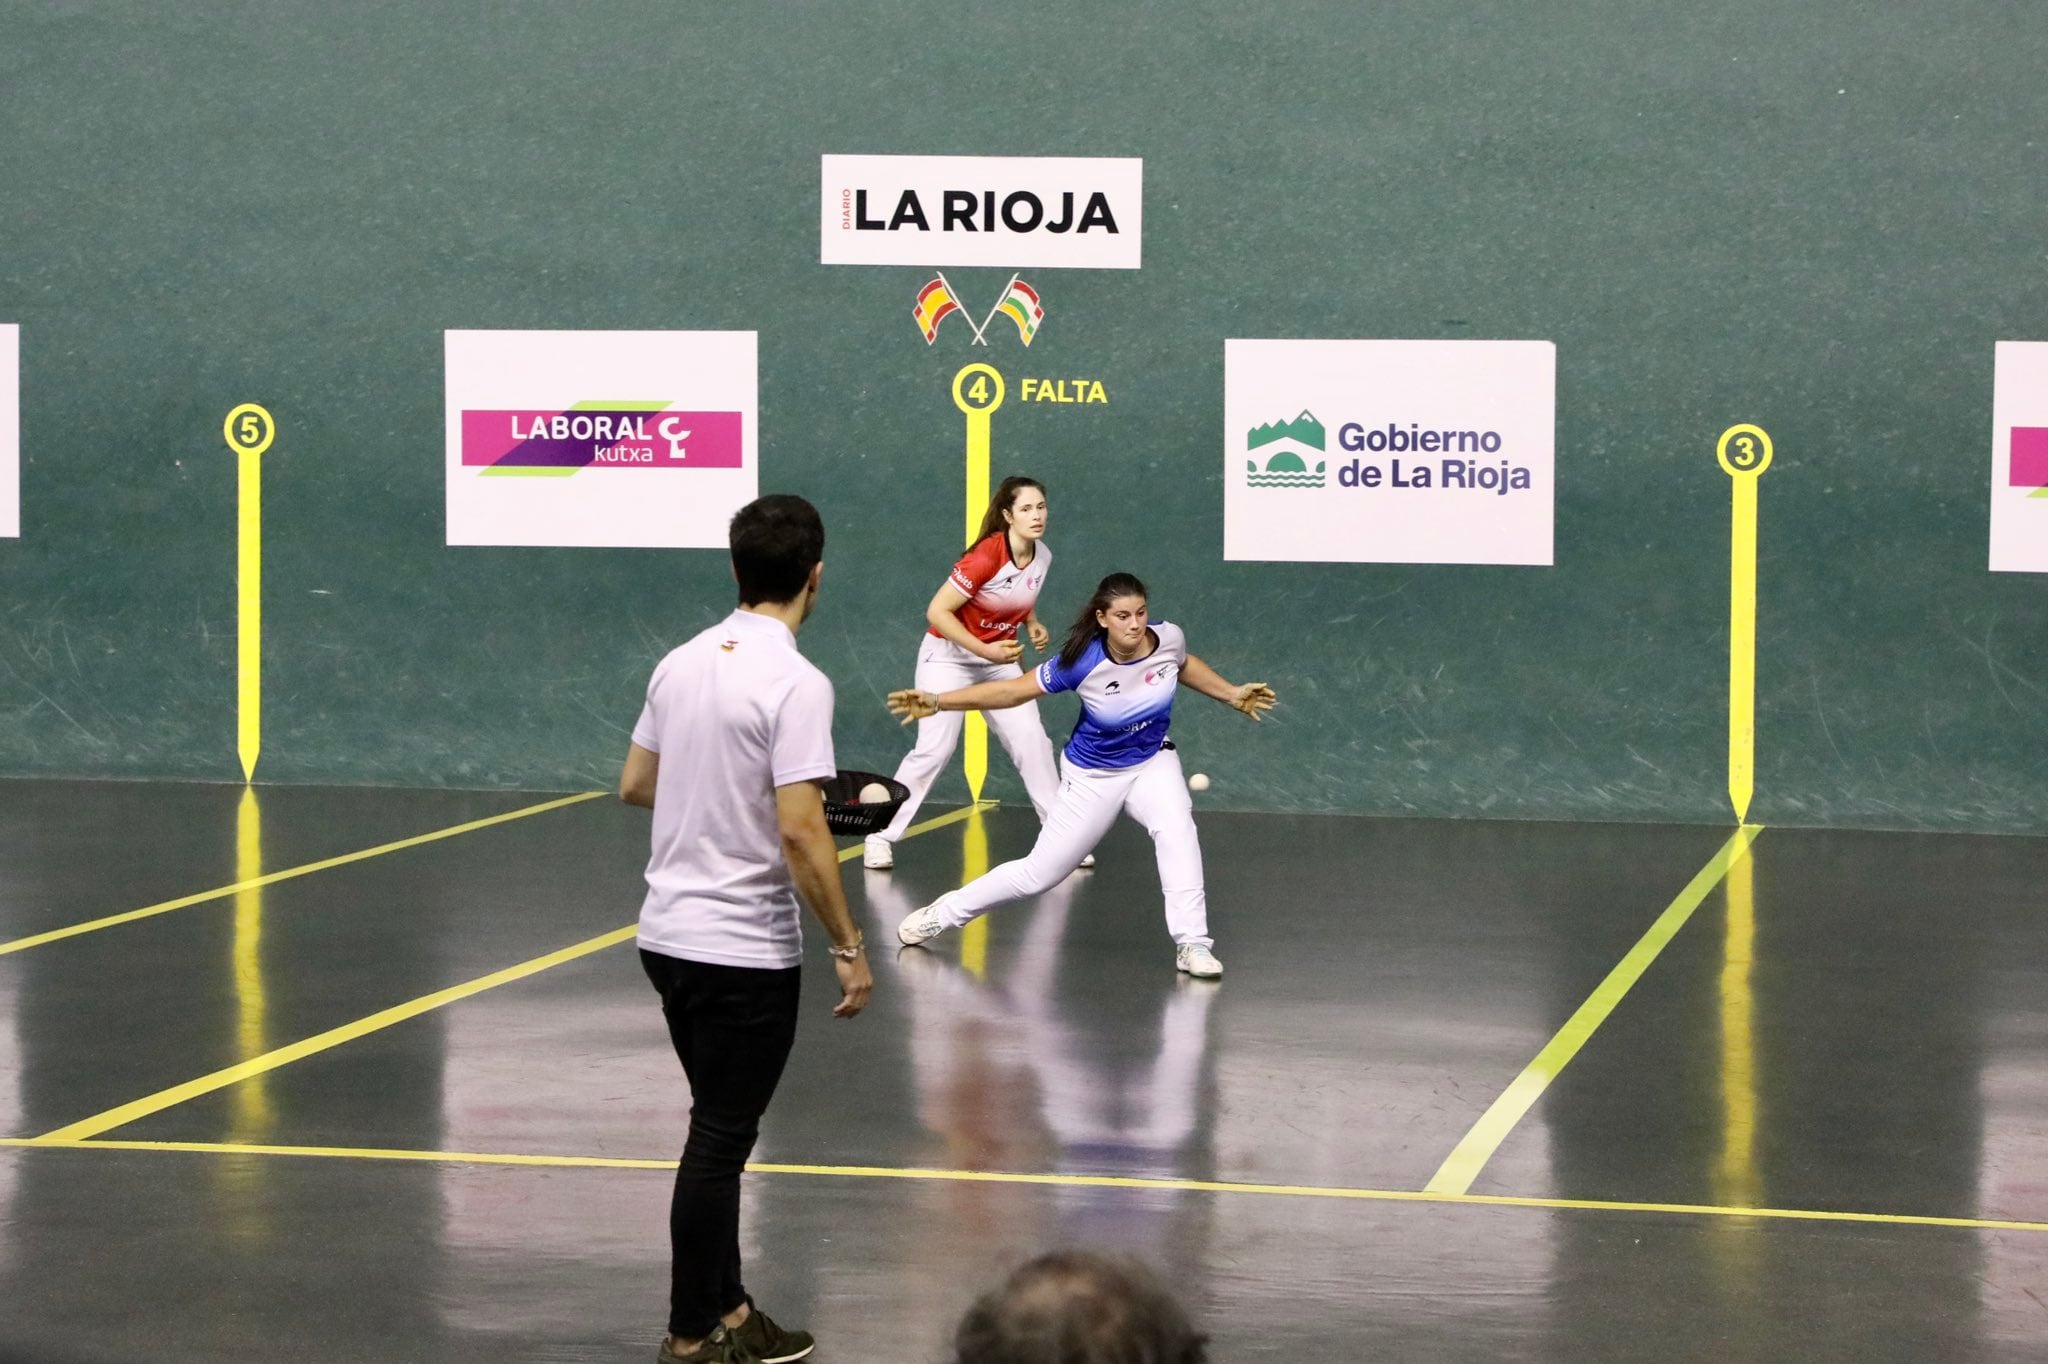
(1851, 1022)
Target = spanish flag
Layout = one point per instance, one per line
(934, 303)
(1022, 307)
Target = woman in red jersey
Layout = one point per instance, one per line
(974, 620)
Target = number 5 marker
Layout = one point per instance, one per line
(249, 431)
(1745, 452)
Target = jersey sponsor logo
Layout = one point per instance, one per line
(1154, 676)
(730, 645)
(1113, 686)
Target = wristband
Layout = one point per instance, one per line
(848, 953)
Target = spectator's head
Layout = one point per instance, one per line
(777, 545)
(1072, 1307)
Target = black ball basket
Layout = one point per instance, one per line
(844, 812)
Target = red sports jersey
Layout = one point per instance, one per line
(999, 594)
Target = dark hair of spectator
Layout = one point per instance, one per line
(1074, 1307)
(776, 541)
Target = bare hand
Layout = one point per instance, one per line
(1254, 699)
(855, 985)
(1002, 651)
(1040, 636)
(913, 705)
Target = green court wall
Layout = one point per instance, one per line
(1818, 219)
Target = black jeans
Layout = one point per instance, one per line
(732, 1028)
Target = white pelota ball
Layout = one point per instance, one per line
(1198, 782)
(874, 793)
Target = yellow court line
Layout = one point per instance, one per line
(953, 817)
(222, 892)
(1463, 1165)
(376, 1022)
(1338, 1192)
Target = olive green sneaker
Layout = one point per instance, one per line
(768, 1342)
(720, 1347)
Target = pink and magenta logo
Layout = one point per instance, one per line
(2029, 457)
(599, 436)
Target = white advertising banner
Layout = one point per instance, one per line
(1074, 212)
(10, 431)
(602, 439)
(1389, 452)
(2019, 458)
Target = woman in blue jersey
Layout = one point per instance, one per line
(1125, 667)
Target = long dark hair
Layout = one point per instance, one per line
(1006, 493)
(1084, 630)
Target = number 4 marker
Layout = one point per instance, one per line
(978, 400)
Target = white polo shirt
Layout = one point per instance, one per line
(734, 713)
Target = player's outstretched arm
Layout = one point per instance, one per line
(1011, 691)
(1253, 698)
(814, 866)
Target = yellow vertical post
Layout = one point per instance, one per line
(249, 431)
(1744, 451)
(978, 392)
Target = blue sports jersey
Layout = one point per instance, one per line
(1125, 707)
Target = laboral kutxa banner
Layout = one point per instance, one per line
(601, 439)
(10, 430)
(1401, 452)
(2019, 458)
(1012, 212)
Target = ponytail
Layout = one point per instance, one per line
(1085, 631)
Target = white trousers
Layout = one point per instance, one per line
(943, 665)
(1155, 794)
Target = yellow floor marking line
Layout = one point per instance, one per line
(333, 1037)
(376, 1022)
(965, 812)
(1745, 452)
(1339, 1192)
(979, 400)
(222, 892)
(1463, 1165)
(249, 430)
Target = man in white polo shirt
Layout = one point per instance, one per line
(736, 734)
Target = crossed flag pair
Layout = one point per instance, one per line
(936, 302)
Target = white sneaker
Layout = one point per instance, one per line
(1088, 861)
(920, 926)
(878, 854)
(1191, 957)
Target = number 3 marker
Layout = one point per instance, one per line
(1745, 452)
